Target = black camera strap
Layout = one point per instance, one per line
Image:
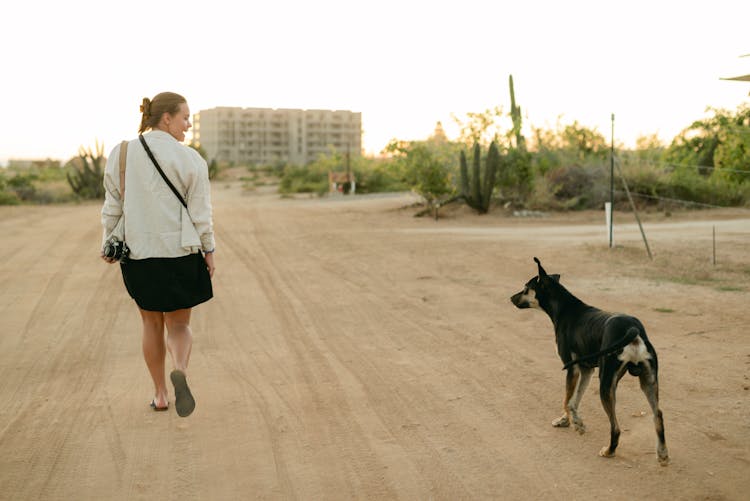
(164, 176)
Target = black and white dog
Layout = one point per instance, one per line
(588, 337)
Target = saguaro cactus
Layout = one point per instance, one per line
(477, 192)
(515, 115)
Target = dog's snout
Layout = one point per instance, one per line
(516, 299)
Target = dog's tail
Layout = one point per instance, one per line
(629, 336)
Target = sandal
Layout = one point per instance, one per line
(158, 409)
(184, 401)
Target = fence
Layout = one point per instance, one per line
(617, 161)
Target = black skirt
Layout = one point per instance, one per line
(167, 284)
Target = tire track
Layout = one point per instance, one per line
(323, 381)
(383, 390)
(64, 383)
(238, 368)
(347, 371)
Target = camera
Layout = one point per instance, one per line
(115, 249)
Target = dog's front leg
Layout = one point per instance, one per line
(571, 381)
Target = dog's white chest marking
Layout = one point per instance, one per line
(635, 352)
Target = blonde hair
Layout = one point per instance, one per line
(153, 109)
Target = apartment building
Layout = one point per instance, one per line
(264, 136)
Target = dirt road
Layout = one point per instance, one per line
(355, 352)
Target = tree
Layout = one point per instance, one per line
(732, 154)
(482, 127)
(582, 142)
(648, 148)
(425, 166)
(719, 141)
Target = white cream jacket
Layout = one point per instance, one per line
(152, 213)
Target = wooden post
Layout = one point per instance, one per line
(612, 180)
(635, 211)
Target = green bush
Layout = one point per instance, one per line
(516, 174)
(49, 174)
(371, 175)
(588, 187)
(642, 179)
(23, 186)
(573, 187)
(543, 196)
(8, 198)
(378, 177)
(683, 186)
(310, 179)
(688, 184)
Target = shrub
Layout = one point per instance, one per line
(688, 184)
(23, 186)
(296, 179)
(577, 187)
(8, 198)
(378, 177)
(683, 186)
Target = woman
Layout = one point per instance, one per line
(165, 276)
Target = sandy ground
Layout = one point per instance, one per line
(353, 351)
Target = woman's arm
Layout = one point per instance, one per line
(199, 203)
(112, 208)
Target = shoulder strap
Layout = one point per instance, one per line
(164, 176)
(123, 161)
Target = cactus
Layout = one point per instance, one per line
(515, 115)
(85, 176)
(493, 165)
(477, 192)
(476, 176)
(464, 175)
(516, 164)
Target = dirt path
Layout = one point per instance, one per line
(355, 352)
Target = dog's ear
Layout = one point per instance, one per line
(542, 273)
(555, 277)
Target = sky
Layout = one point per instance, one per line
(75, 72)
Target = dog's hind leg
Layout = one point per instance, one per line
(650, 387)
(580, 388)
(571, 381)
(609, 375)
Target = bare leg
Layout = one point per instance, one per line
(179, 338)
(155, 352)
(180, 344)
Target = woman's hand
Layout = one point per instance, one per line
(107, 259)
(210, 263)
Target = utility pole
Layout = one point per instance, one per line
(612, 181)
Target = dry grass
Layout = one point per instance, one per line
(681, 262)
